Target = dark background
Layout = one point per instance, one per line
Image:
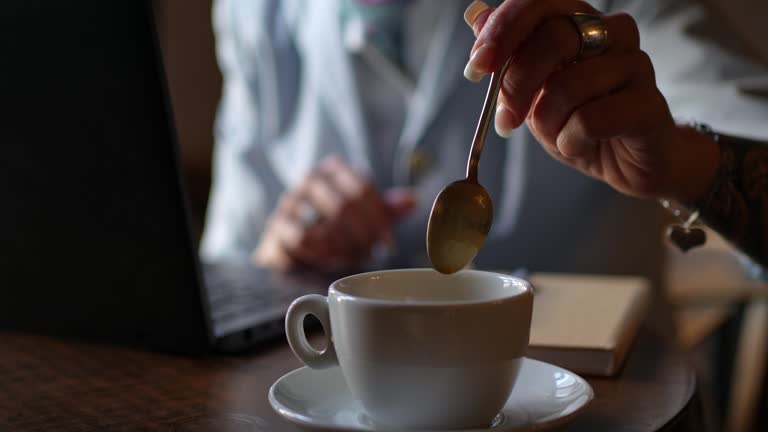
(187, 42)
(94, 231)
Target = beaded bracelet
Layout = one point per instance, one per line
(683, 234)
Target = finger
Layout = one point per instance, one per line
(323, 238)
(476, 15)
(287, 203)
(366, 211)
(400, 201)
(566, 90)
(271, 250)
(312, 242)
(553, 46)
(608, 118)
(510, 24)
(285, 248)
(349, 215)
(319, 192)
(377, 213)
(322, 246)
(270, 254)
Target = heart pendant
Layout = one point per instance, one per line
(686, 238)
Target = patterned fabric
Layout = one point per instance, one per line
(382, 21)
(736, 205)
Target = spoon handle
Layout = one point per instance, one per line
(485, 120)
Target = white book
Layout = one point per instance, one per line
(586, 323)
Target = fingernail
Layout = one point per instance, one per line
(473, 11)
(471, 74)
(481, 56)
(503, 130)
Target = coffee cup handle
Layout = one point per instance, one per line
(317, 305)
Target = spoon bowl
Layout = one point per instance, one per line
(460, 220)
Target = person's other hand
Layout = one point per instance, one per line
(602, 115)
(331, 221)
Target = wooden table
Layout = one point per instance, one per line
(49, 384)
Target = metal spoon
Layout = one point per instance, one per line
(462, 213)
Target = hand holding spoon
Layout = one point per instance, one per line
(462, 213)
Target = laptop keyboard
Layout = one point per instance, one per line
(244, 293)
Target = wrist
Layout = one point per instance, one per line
(695, 164)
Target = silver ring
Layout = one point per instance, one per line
(593, 32)
(308, 215)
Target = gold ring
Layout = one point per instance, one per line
(593, 32)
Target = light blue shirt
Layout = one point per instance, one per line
(298, 86)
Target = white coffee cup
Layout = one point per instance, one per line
(419, 349)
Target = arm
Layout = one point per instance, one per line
(736, 203)
(711, 65)
(611, 116)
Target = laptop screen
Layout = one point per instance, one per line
(95, 238)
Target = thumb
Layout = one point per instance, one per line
(400, 202)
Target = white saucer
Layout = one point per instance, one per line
(545, 397)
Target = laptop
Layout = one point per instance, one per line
(95, 228)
